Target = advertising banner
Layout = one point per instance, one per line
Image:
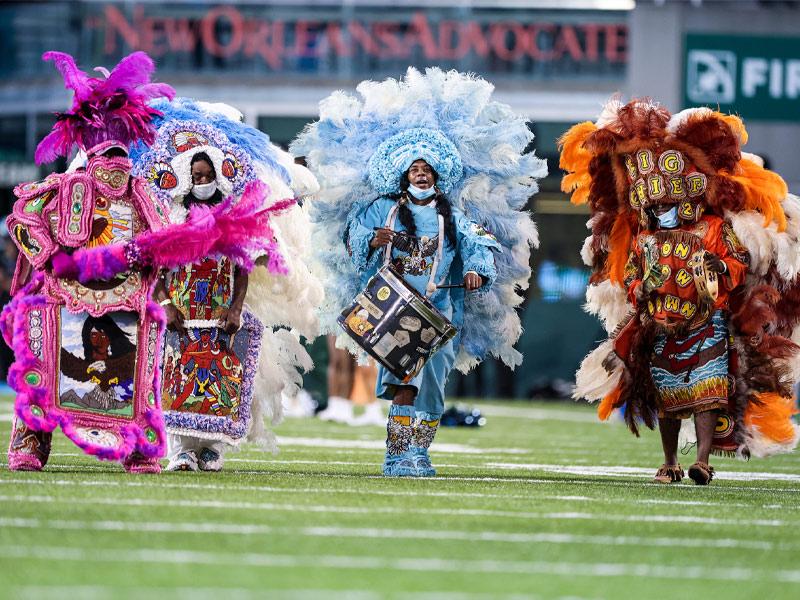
(757, 77)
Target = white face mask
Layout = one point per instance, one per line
(204, 191)
(669, 220)
(419, 193)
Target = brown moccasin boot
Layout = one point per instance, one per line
(669, 474)
(701, 473)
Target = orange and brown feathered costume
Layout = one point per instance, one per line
(637, 155)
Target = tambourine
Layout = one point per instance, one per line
(705, 280)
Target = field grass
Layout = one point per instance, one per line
(543, 502)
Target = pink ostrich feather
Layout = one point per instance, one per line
(28, 395)
(110, 108)
(238, 231)
(90, 265)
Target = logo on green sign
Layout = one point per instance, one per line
(711, 76)
(756, 77)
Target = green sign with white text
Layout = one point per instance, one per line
(756, 77)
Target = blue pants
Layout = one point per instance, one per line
(429, 382)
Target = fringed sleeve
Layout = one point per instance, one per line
(727, 246)
(360, 231)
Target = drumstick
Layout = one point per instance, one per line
(451, 286)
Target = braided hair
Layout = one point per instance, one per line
(443, 207)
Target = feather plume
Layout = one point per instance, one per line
(608, 302)
(238, 231)
(769, 428)
(575, 159)
(112, 108)
(619, 248)
(763, 189)
(594, 380)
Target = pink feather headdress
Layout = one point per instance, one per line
(104, 109)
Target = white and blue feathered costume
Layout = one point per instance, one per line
(359, 150)
(286, 304)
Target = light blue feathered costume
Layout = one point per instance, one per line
(359, 149)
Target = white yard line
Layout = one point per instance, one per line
(90, 592)
(419, 493)
(444, 448)
(317, 490)
(205, 528)
(465, 512)
(395, 563)
(443, 479)
(617, 471)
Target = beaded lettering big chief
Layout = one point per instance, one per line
(681, 337)
(87, 353)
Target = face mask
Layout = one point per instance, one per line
(420, 194)
(669, 220)
(204, 191)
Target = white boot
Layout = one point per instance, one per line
(339, 410)
(372, 415)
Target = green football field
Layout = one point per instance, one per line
(543, 502)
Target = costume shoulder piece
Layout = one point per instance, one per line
(638, 155)
(478, 149)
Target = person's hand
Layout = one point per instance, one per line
(472, 281)
(231, 321)
(381, 238)
(174, 319)
(715, 263)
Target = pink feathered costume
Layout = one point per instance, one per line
(87, 352)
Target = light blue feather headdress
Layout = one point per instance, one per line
(395, 155)
(359, 149)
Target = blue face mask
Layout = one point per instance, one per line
(420, 194)
(669, 220)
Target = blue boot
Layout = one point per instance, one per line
(405, 466)
(399, 432)
(425, 426)
(422, 462)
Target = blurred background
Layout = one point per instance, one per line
(556, 61)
